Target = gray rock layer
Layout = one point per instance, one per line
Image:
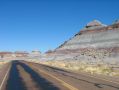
(91, 44)
(101, 39)
(93, 39)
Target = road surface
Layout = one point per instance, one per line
(22, 75)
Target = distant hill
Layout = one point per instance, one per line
(96, 41)
(95, 49)
(94, 35)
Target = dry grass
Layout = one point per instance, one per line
(2, 63)
(83, 66)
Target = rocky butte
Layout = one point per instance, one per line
(95, 42)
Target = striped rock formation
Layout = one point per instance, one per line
(94, 35)
(95, 41)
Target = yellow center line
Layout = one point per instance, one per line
(70, 87)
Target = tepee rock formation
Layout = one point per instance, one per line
(104, 37)
(96, 41)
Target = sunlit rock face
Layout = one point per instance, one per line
(95, 24)
(96, 38)
(94, 41)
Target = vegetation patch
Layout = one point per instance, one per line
(99, 68)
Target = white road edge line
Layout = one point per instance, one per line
(4, 79)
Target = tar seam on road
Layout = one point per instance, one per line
(4, 78)
(101, 79)
(98, 78)
(63, 82)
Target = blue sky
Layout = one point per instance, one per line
(45, 24)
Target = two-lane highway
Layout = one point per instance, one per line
(31, 76)
(22, 77)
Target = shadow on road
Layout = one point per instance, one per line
(64, 73)
(16, 83)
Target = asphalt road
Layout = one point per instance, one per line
(22, 75)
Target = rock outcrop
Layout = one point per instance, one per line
(96, 41)
(100, 37)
